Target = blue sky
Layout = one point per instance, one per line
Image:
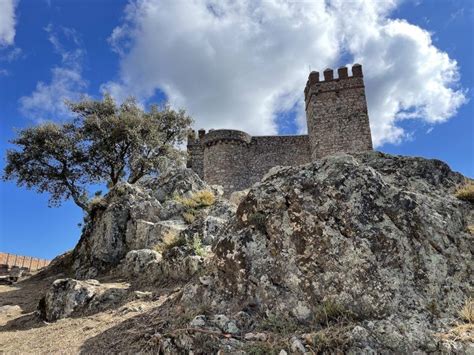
(231, 66)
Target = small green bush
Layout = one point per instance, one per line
(466, 192)
(197, 246)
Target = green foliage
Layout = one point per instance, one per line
(466, 192)
(105, 143)
(197, 246)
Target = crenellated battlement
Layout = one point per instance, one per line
(336, 114)
(330, 83)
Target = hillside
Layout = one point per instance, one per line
(363, 253)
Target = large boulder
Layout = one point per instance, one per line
(375, 240)
(69, 297)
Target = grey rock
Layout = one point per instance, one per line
(143, 295)
(67, 297)
(297, 346)
(237, 197)
(198, 321)
(377, 237)
(137, 261)
(256, 337)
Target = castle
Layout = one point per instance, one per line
(337, 118)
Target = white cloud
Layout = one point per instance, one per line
(236, 65)
(47, 100)
(7, 22)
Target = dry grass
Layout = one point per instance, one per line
(463, 332)
(170, 240)
(466, 191)
(198, 199)
(470, 229)
(467, 311)
(22, 332)
(194, 203)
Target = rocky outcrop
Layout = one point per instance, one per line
(363, 253)
(372, 240)
(148, 215)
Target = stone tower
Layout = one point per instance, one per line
(336, 113)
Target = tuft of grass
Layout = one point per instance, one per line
(332, 340)
(467, 311)
(432, 307)
(466, 191)
(330, 310)
(194, 203)
(463, 332)
(178, 241)
(198, 199)
(189, 216)
(279, 324)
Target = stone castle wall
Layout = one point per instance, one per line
(336, 112)
(236, 160)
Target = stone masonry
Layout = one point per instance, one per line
(337, 118)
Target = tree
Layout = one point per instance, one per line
(104, 143)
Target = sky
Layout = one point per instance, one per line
(231, 64)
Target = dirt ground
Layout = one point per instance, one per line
(21, 331)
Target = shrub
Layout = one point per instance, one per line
(466, 191)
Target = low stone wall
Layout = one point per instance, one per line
(21, 261)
